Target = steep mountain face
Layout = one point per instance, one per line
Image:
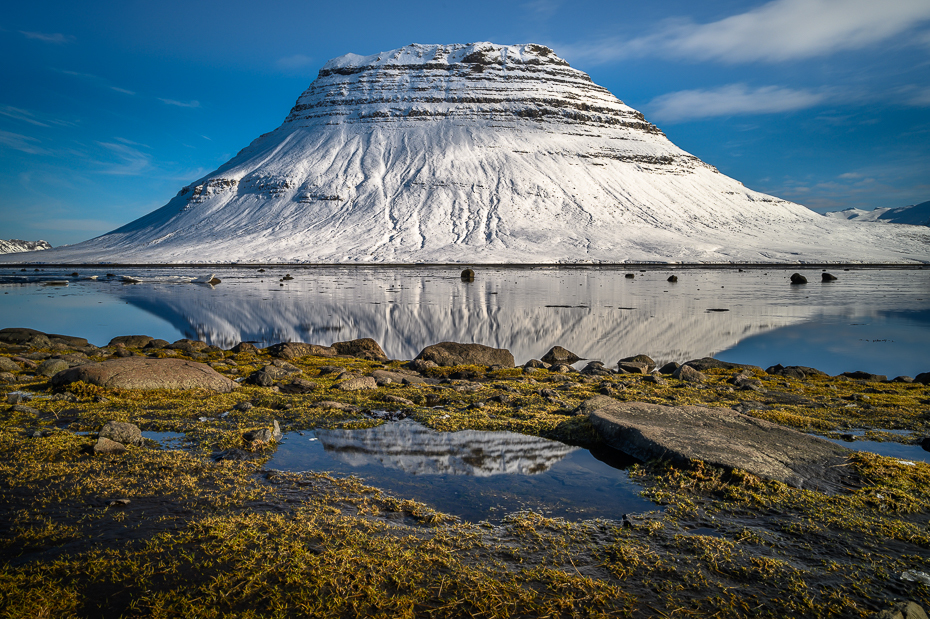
(16, 245)
(476, 153)
(914, 215)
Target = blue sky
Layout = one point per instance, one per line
(108, 108)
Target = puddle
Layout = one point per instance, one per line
(172, 440)
(471, 474)
(889, 449)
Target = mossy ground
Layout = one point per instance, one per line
(201, 538)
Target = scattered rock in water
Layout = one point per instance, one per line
(25, 337)
(689, 374)
(797, 278)
(629, 276)
(131, 341)
(121, 432)
(468, 275)
(826, 277)
(363, 348)
(452, 353)
(359, 383)
(925, 443)
(721, 437)
(293, 350)
(669, 368)
(264, 435)
(106, 446)
(672, 279)
(146, 373)
(794, 371)
(557, 354)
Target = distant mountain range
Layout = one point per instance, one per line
(15, 245)
(477, 153)
(915, 215)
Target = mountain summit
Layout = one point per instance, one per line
(477, 153)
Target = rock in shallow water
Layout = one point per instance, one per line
(453, 353)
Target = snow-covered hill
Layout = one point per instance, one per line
(477, 153)
(16, 245)
(915, 215)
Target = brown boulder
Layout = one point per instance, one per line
(131, 341)
(293, 350)
(364, 348)
(25, 337)
(557, 355)
(146, 373)
(453, 353)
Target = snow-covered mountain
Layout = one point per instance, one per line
(915, 215)
(477, 153)
(16, 245)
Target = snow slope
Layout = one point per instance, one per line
(16, 245)
(477, 153)
(915, 215)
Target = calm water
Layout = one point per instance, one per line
(471, 474)
(872, 320)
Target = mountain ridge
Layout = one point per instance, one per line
(476, 153)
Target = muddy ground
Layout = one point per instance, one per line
(173, 531)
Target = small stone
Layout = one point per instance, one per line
(27, 410)
(357, 384)
(398, 400)
(50, 367)
(468, 275)
(298, 386)
(263, 435)
(797, 278)
(8, 365)
(106, 446)
(826, 277)
(669, 368)
(672, 279)
(689, 374)
(244, 347)
(131, 341)
(557, 355)
(363, 348)
(121, 432)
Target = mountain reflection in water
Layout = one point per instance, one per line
(472, 474)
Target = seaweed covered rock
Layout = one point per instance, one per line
(557, 355)
(146, 373)
(364, 348)
(453, 353)
(293, 350)
(25, 337)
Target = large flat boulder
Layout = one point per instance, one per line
(453, 353)
(146, 373)
(721, 437)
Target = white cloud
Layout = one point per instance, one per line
(122, 90)
(191, 104)
(295, 63)
(131, 161)
(920, 98)
(781, 30)
(56, 38)
(730, 100)
(20, 114)
(23, 143)
(542, 9)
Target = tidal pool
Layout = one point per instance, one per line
(472, 474)
(875, 320)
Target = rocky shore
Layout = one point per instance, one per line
(755, 516)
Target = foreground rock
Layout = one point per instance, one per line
(453, 353)
(721, 437)
(146, 373)
(557, 355)
(364, 348)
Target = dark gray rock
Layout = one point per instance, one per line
(157, 344)
(669, 368)
(826, 277)
(689, 374)
(866, 376)
(794, 371)
(145, 373)
(535, 364)
(187, 346)
(244, 347)
(8, 365)
(68, 340)
(121, 432)
(557, 354)
(6, 377)
(363, 348)
(131, 341)
(708, 363)
(901, 610)
(420, 365)
(50, 367)
(655, 379)
(629, 275)
(672, 279)
(453, 353)
(797, 278)
(395, 399)
(632, 367)
(562, 368)
(721, 437)
(264, 435)
(468, 275)
(298, 386)
(27, 410)
(261, 378)
(25, 337)
(902, 379)
(244, 406)
(923, 378)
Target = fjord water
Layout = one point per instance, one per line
(876, 320)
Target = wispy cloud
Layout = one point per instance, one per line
(56, 38)
(542, 9)
(191, 104)
(295, 63)
(730, 100)
(23, 143)
(921, 98)
(20, 114)
(122, 90)
(778, 31)
(130, 160)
